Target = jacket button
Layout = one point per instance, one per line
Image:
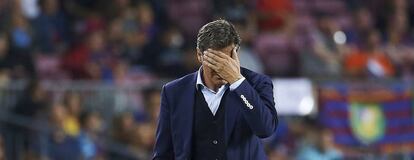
(215, 142)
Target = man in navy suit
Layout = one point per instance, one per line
(219, 112)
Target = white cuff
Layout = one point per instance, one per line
(236, 84)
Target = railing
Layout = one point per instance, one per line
(107, 99)
(15, 141)
(99, 96)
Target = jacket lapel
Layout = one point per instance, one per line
(185, 105)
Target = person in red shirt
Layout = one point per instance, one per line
(91, 59)
(273, 14)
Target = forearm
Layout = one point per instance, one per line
(258, 107)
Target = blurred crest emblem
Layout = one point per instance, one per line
(367, 122)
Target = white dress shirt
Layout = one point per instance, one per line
(212, 97)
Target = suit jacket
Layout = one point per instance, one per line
(250, 114)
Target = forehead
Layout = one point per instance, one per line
(227, 50)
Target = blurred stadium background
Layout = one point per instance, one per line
(80, 79)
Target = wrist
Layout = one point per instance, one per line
(237, 83)
(236, 79)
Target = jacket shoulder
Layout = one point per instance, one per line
(253, 76)
(177, 83)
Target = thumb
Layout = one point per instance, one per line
(235, 56)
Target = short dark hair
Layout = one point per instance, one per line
(216, 35)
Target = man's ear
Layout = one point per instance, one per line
(199, 56)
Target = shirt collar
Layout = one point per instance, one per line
(200, 83)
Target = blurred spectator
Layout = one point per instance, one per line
(189, 15)
(378, 9)
(2, 149)
(363, 23)
(175, 59)
(29, 8)
(145, 19)
(133, 34)
(33, 100)
(14, 65)
(190, 63)
(399, 44)
(152, 97)
(318, 145)
(123, 125)
(137, 50)
(112, 9)
(4, 44)
(115, 36)
(61, 146)
(234, 10)
(171, 57)
(30, 106)
(80, 8)
(285, 143)
(143, 142)
(273, 15)
(278, 146)
(91, 129)
(122, 75)
(326, 52)
(72, 102)
(399, 7)
(5, 59)
(248, 58)
(91, 60)
(278, 54)
(275, 42)
(21, 34)
(369, 61)
(122, 132)
(4, 77)
(5, 11)
(51, 29)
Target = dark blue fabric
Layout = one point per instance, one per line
(50, 30)
(243, 127)
(208, 130)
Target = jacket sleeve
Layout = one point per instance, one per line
(258, 106)
(163, 149)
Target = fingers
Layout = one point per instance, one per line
(209, 64)
(214, 62)
(210, 60)
(218, 54)
(218, 60)
(213, 57)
